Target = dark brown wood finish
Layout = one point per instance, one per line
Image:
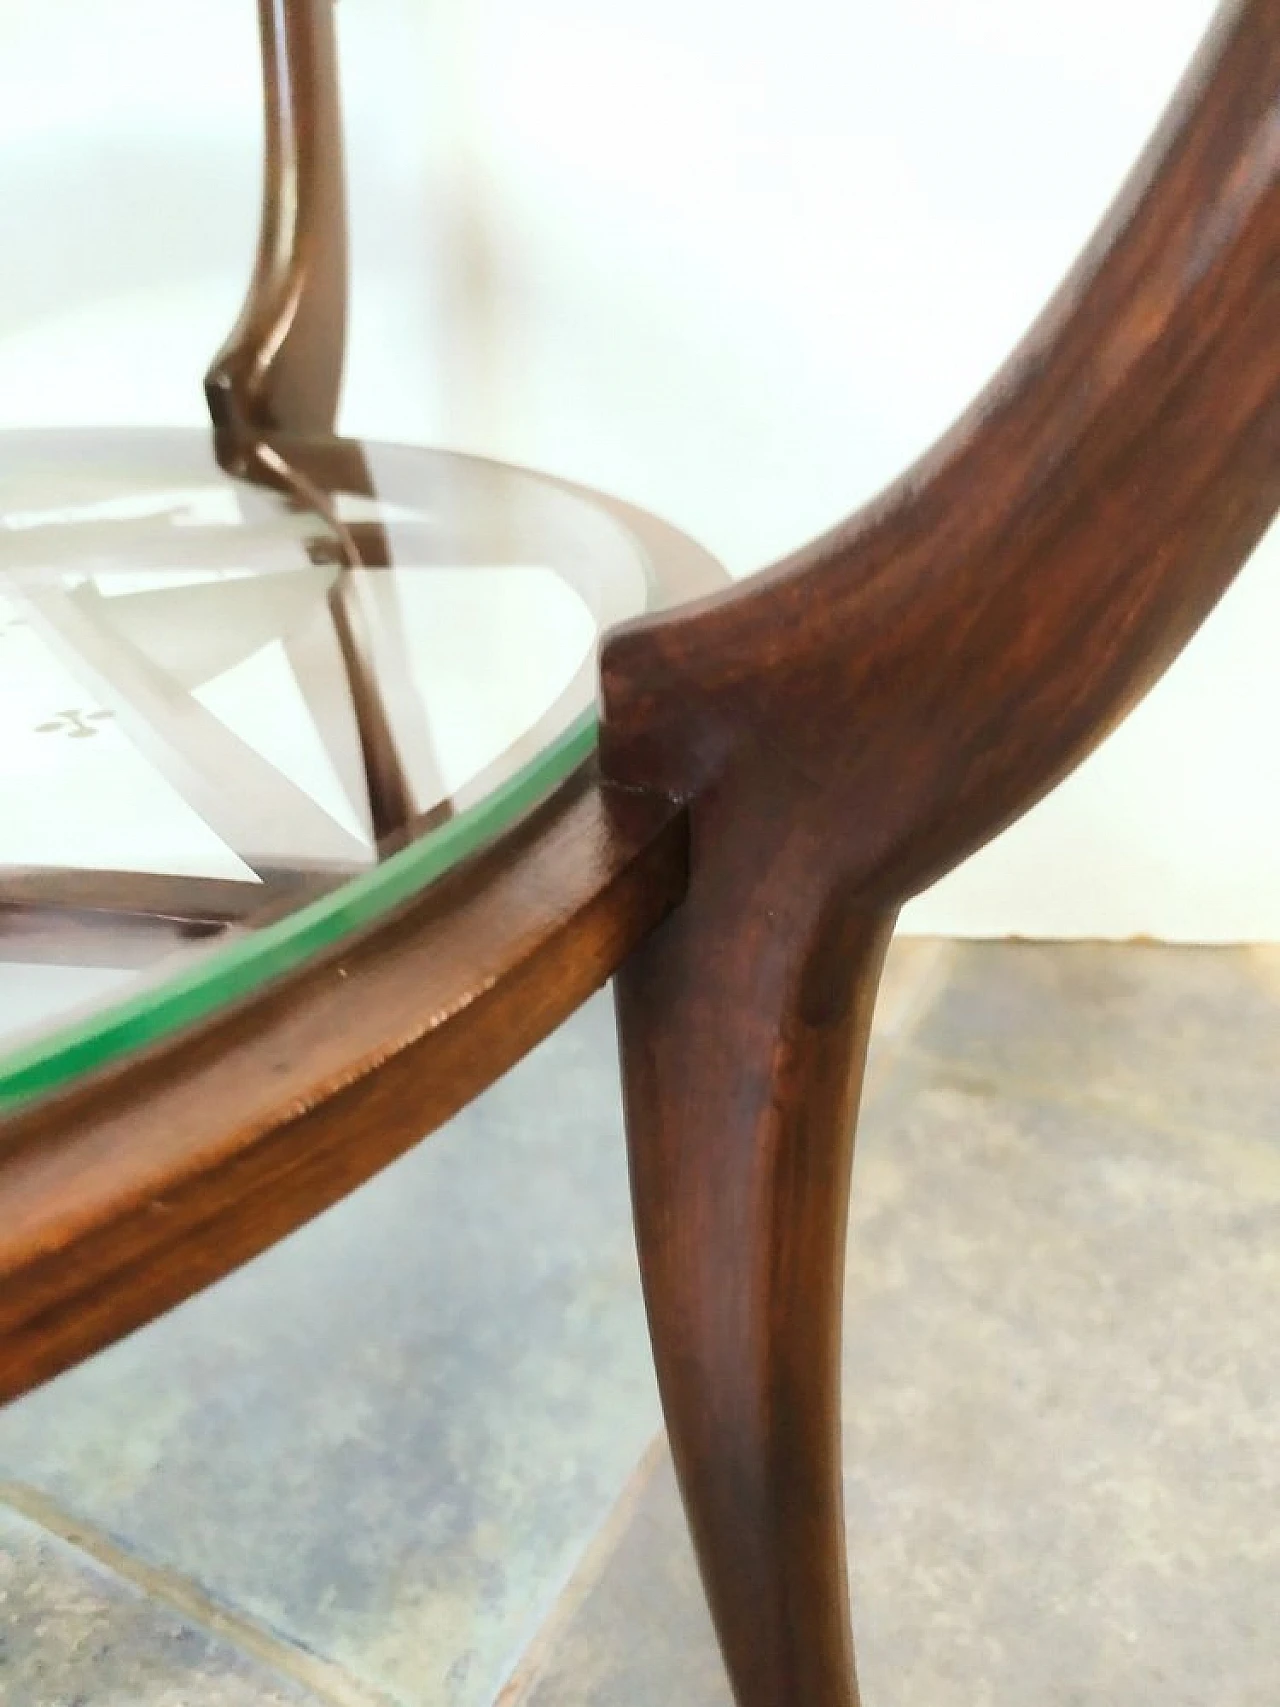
(806, 751)
(280, 370)
(142, 1185)
(858, 720)
(281, 367)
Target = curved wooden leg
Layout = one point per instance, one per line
(743, 1026)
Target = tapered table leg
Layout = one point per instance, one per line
(743, 1026)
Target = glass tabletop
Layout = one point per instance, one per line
(243, 717)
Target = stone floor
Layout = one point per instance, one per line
(413, 1456)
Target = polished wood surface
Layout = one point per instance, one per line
(936, 664)
(802, 752)
(744, 1025)
(853, 723)
(144, 1184)
(281, 366)
(280, 369)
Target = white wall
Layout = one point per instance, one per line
(740, 262)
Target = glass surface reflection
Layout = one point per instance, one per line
(243, 717)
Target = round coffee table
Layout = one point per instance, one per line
(332, 911)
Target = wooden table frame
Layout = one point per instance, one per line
(781, 765)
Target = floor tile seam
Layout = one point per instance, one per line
(582, 1577)
(329, 1682)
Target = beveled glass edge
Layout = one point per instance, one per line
(235, 969)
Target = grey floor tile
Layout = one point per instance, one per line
(1188, 1036)
(1062, 1440)
(1063, 1446)
(72, 1634)
(392, 1437)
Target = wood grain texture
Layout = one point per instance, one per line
(281, 366)
(744, 1026)
(142, 1185)
(937, 663)
(853, 723)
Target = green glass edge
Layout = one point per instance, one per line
(242, 966)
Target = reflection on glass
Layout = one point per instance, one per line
(243, 717)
